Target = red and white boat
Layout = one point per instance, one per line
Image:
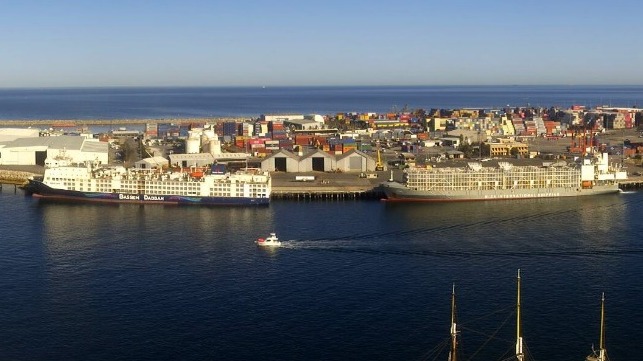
(270, 241)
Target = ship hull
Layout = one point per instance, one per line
(396, 192)
(40, 190)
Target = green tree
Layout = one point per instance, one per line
(467, 149)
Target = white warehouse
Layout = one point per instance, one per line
(34, 151)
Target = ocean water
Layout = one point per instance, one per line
(358, 280)
(120, 103)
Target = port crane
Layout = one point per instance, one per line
(379, 166)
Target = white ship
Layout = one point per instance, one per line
(591, 176)
(86, 182)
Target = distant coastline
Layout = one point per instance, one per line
(106, 122)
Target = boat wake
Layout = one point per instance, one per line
(334, 244)
(390, 248)
(628, 192)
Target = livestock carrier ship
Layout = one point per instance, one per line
(117, 184)
(590, 176)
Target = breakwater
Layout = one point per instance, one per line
(14, 176)
(69, 123)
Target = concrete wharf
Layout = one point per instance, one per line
(326, 186)
(634, 183)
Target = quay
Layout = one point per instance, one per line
(634, 183)
(15, 186)
(326, 186)
(317, 194)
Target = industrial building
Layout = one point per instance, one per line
(318, 161)
(507, 147)
(151, 163)
(35, 150)
(191, 160)
(11, 134)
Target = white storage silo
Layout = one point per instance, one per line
(193, 144)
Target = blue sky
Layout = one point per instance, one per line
(282, 42)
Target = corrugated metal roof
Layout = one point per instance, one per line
(154, 161)
(191, 156)
(95, 147)
(351, 152)
(314, 152)
(282, 152)
(61, 142)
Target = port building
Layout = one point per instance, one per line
(191, 160)
(156, 162)
(507, 147)
(35, 150)
(11, 134)
(317, 160)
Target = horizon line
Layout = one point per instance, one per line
(309, 86)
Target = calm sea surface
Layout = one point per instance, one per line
(356, 280)
(117, 103)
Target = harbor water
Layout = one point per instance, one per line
(354, 280)
(357, 280)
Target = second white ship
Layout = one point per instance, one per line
(591, 176)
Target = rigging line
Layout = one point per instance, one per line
(436, 351)
(527, 352)
(512, 357)
(492, 336)
(470, 330)
(505, 309)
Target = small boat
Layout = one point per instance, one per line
(270, 241)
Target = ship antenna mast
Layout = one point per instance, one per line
(454, 332)
(601, 341)
(519, 353)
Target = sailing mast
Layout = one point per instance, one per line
(519, 353)
(602, 352)
(454, 334)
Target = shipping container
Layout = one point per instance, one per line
(286, 144)
(275, 125)
(303, 139)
